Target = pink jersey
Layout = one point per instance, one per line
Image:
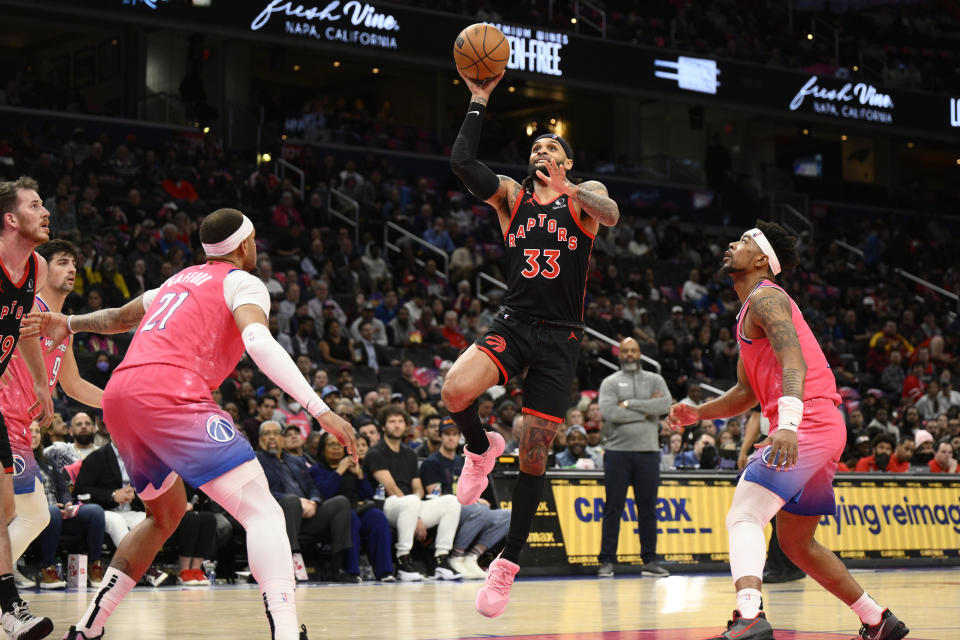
(17, 396)
(766, 374)
(189, 325)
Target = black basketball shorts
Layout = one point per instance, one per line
(6, 453)
(547, 350)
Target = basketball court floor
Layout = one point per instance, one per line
(683, 607)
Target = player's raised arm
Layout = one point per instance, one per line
(277, 364)
(499, 191)
(75, 386)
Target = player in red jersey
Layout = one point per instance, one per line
(17, 395)
(158, 406)
(790, 476)
(25, 226)
(548, 225)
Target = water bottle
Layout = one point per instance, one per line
(436, 493)
(210, 569)
(380, 494)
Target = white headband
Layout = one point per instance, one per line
(767, 249)
(233, 241)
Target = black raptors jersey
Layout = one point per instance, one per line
(16, 300)
(548, 253)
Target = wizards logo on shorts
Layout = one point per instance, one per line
(765, 456)
(220, 429)
(19, 465)
(497, 343)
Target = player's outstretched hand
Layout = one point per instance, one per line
(341, 430)
(481, 89)
(52, 325)
(557, 180)
(783, 449)
(682, 414)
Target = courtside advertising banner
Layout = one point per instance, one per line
(903, 518)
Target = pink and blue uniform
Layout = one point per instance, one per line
(158, 404)
(16, 397)
(808, 486)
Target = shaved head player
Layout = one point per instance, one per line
(548, 225)
(782, 368)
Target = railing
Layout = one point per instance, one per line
(349, 214)
(280, 169)
(445, 274)
(579, 16)
(848, 247)
(788, 213)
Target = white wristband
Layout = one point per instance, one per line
(69, 328)
(790, 411)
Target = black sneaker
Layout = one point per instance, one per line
(303, 632)
(655, 570)
(406, 571)
(742, 628)
(443, 570)
(20, 624)
(779, 577)
(605, 570)
(73, 634)
(889, 628)
(347, 578)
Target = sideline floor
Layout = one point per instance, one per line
(684, 607)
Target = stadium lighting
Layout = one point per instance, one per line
(206, 129)
(509, 89)
(910, 145)
(843, 137)
(376, 70)
(336, 64)
(573, 21)
(806, 132)
(809, 36)
(266, 157)
(296, 67)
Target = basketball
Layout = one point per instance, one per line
(481, 51)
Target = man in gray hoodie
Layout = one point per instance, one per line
(632, 402)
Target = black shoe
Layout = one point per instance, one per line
(347, 578)
(655, 570)
(889, 628)
(73, 634)
(303, 632)
(779, 577)
(747, 628)
(443, 570)
(605, 570)
(406, 571)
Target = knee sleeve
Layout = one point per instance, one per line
(753, 507)
(32, 517)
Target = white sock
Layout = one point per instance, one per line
(748, 602)
(114, 587)
(867, 608)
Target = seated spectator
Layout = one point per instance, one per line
(395, 467)
(438, 236)
(431, 436)
(362, 447)
(452, 333)
(370, 431)
(293, 415)
(699, 457)
(670, 451)
(480, 526)
(86, 520)
(407, 384)
(82, 430)
(293, 442)
(304, 509)
(337, 474)
(368, 314)
(335, 348)
(372, 354)
(266, 406)
(943, 460)
(931, 405)
(594, 439)
(882, 458)
(881, 423)
(923, 454)
(575, 454)
(103, 480)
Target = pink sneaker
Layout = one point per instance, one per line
(473, 478)
(493, 597)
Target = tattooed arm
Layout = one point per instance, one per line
(593, 199)
(536, 439)
(55, 327)
(770, 310)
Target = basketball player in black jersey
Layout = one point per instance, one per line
(548, 225)
(26, 225)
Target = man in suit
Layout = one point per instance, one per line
(372, 353)
(305, 512)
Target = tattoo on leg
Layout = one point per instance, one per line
(122, 565)
(536, 438)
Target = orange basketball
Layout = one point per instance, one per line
(481, 51)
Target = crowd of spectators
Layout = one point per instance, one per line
(375, 331)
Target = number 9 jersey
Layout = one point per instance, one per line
(548, 256)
